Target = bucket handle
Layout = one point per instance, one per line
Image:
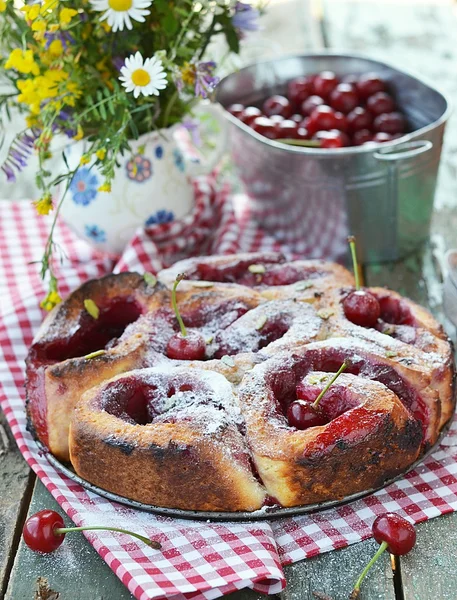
(403, 151)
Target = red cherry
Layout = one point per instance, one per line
(382, 137)
(324, 83)
(301, 414)
(393, 122)
(341, 122)
(38, 531)
(397, 532)
(321, 119)
(298, 90)
(332, 139)
(276, 119)
(265, 127)
(286, 129)
(359, 118)
(277, 105)
(370, 83)
(361, 137)
(190, 347)
(310, 104)
(236, 110)
(249, 114)
(362, 308)
(303, 134)
(380, 103)
(297, 118)
(344, 98)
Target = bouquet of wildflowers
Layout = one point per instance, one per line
(106, 71)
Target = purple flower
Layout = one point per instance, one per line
(205, 81)
(19, 153)
(63, 36)
(245, 18)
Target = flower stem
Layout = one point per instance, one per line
(152, 543)
(167, 112)
(331, 382)
(381, 549)
(351, 240)
(175, 304)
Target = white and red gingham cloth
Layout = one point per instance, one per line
(198, 559)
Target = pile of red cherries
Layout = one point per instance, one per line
(330, 111)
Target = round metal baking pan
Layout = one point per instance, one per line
(271, 512)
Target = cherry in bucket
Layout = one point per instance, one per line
(361, 307)
(395, 534)
(185, 345)
(45, 531)
(305, 413)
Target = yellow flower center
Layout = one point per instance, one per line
(120, 5)
(141, 77)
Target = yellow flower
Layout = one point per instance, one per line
(105, 187)
(2, 5)
(55, 48)
(39, 25)
(51, 300)
(85, 159)
(188, 74)
(31, 120)
(22, 61)
(101, 153)
(31, 11)
(79, 133)
(66, 15)
(44, 204)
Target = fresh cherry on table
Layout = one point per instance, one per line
(369, 84)
(359, 118)
(344, 98)
(249, 114)
(324, 84)
(310, 104)
(265, 127)
(332, 139)
(298, 90)
(321, 119)
(395, 534)
(45, 531)
(380, 103)
(185, 345)
(393, 122)
(277, 105)
(361, 307)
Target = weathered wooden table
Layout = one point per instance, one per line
(418, 36)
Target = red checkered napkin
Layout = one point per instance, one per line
(198, 559)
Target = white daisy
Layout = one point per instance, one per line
(120, 12)
(143, 76)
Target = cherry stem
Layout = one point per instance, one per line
(152, 543)
(174, 304)
(351, 240)
(305, 143)
(381, 549)
(331, 382)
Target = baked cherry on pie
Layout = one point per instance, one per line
(216, 434)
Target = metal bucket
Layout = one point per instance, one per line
(313, 198)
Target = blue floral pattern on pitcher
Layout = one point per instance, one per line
(84, 186)
(161, 216)
(96, 234)
(179, 160)
(139, 168)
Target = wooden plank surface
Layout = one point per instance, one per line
(15, 484)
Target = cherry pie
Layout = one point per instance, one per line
(214, 434)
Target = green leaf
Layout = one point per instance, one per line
(170, 24)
